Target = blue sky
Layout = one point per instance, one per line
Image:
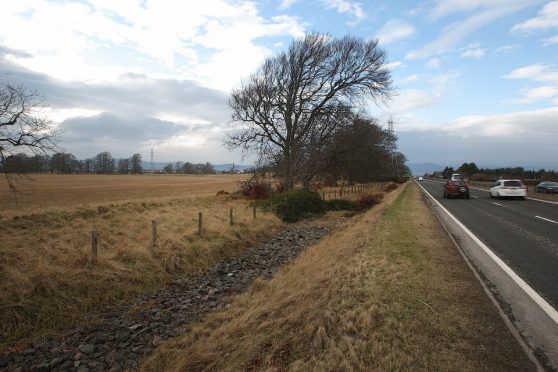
(476, 80)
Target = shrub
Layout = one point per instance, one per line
(390, 187)
(369, 200)
(341, 205)
(256, 188)
(296, 205)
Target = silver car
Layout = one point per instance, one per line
(508, 189)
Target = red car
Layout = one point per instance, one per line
(456, 188)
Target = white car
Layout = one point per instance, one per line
(420, 178)
(508, 189)
(456, 177)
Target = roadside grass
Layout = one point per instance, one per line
(386, 291)
(48, 282)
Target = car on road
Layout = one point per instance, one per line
(547, 187)
(456, 177)
(420, 178)
(456, 188)
(508, 189)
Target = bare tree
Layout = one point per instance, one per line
(22, 128)
(124, 166)
(136, 163)
(298, 96)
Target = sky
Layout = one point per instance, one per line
(475, 80)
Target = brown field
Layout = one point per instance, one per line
(47, 280)
(42, 192)
(386, 292)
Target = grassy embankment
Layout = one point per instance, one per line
(47, 280)
(387, 291)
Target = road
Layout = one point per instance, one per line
(522, 233)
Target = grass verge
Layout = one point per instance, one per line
(48, 282)
(387, 291)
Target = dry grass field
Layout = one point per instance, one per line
(44, 192)
(47, 279)
(386, 292)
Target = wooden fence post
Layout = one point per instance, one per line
(254, 211)
(231, 221)
(323, 195)
(94, 240)
(200, 223)
(341, 192)
(154, 234)
(335, 194)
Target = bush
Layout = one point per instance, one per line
(390, 187)
(341, 205)
(256, 188)
(368, 201)
(296, 205)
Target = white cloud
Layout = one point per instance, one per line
(106, 39)
(550, 41)
(394, 30)
(519, 124)
(394, 65)
(453, 34)
(286, 4)
(546, 75)
(409, 79)
(447, 7)
(537, 94)
(411, 99)
(547, 18)
(536, 72)
(506, 49)
(433, 63)
(473, 51)
(345, 6)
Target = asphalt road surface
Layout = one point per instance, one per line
(523, 233)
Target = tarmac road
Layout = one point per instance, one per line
(523, 233)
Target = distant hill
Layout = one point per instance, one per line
(418, 169)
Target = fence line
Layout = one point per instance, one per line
(342, 191)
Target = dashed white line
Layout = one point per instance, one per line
(474, 197)
(498, 204)
(546, 219)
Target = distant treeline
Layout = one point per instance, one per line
(102, 163)
(490, 174)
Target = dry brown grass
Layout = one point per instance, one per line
(43, 192)
(47, 280)
(383, 293)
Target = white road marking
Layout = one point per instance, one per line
(546, 219)
(474, 197)
(498, 204)
(543, 304)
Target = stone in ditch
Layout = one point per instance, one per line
(134, 327)
(86, 348)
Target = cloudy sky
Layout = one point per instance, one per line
(476, 80)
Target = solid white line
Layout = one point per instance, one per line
(546, 219)
(545, 306)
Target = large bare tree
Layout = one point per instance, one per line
(300, 97)
(23, 129)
